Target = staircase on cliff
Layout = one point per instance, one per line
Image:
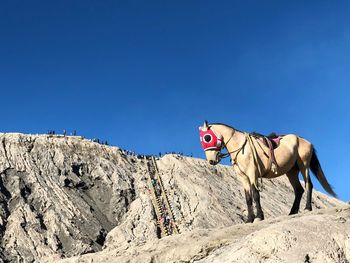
(164, 214)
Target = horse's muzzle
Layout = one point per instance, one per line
(213, 162)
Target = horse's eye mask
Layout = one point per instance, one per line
(210, 140)
(207, 138)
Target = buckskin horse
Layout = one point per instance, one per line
(252, 158)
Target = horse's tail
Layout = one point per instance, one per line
(315, 167)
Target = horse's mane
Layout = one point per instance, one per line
(218, 123)
(256, 134)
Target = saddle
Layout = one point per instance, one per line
(272, 141)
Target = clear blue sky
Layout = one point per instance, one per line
(145, 74)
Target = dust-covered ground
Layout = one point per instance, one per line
(63, 197)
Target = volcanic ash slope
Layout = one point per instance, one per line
(63, 197)
(60, 196)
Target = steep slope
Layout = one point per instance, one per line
(319, 236)
(60, 196)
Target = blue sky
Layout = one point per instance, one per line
(145, 74)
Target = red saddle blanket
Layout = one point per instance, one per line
(272, 139)
(276, 141)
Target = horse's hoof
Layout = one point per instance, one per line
(308, 209)
(257, 220)
(250, 220)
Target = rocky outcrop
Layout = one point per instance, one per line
(320, 236)
(62, 197)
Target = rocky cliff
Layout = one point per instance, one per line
(67, 196)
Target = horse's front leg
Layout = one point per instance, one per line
(249, 200)
(256, 196)
(248, 195)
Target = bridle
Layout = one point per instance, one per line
(215, 142)
(237, 151)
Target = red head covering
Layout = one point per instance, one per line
(209, 140)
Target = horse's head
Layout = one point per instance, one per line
(212, 143)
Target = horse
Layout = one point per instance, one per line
(253, 159)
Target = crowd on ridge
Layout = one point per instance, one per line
(74, 133)
(53, 132)
(149, 156)
(125, 152)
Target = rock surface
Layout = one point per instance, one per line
(320, 236)
(62, 197)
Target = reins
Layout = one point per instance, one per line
(256, 163)
(225, 155)
(212, 141)
(248, 138)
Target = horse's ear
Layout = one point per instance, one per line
(205, 126)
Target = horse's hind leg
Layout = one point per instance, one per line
(298, 189)
(304, 168)
(309, 186)
(305, 152)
